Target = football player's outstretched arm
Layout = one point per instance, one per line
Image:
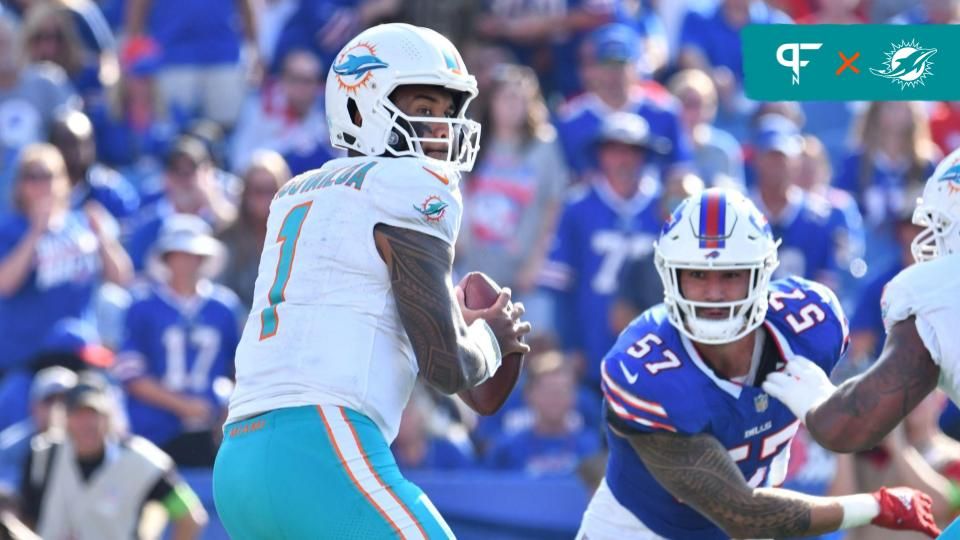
(452, 356)
(698, 470)
(867, 407)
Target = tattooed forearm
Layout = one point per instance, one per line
(419, 268)
(699, 471)
(864, 409)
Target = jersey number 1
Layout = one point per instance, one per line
(289, 234)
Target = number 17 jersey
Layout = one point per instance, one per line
(324, 327)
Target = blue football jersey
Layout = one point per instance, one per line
(597, 233)
(580, 121)
(185, 345)
(809, 245)
(654, 380)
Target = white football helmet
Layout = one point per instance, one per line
(374, 64)
(718, 229)
(938, 211)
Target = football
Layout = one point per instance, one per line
(479, 292)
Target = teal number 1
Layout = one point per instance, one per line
(289, 234)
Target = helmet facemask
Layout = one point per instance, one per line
(407, 134)
(743, 316)
(940, 231)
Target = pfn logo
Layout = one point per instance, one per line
(794, 62)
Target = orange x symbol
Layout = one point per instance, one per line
(848, 62)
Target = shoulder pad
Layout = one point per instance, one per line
(809, 317)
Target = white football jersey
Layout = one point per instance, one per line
(930, 291)
(324, 327)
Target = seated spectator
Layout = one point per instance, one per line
(52, 258)
(189, 185)
(640, 286)
(710, 41)
(893, 154)
(814, 177)
(132, 134)
(608, 61)
(72, 134)
(205, 62)
(514, 194)
(95, 482)
(244, 239)
(421, 446)
(47, 393)
(50, 35)
(181, 333)
(28, 98)
(287, 117)
(611, 219)
(801, 222)
(551, 446)
(71, 343)
(717, 156)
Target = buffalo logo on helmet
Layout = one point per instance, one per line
(355, 65)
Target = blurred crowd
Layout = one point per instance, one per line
(142, 141)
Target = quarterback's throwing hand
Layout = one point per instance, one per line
(905, 509)
(800, 386)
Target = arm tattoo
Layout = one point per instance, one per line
(698, 470)
(419, 267)
(864, 409)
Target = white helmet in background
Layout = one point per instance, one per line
(718, 229)
(371, 66)
(938, 211)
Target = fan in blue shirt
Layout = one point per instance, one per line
(181, 334)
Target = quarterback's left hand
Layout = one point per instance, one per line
(905, 509)
(800, 386)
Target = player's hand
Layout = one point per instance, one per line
(905, 509)
(194, 411)
(800, 386)
(504, 319)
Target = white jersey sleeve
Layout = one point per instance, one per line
(930, 292)
(413, 196)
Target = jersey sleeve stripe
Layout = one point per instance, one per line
(129, 365)
(555, 275)
(615, 389)
(623, 413)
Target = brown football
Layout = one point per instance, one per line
(479, 292)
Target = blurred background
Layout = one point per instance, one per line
(141, 142)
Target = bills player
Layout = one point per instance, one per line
(922, 348)
(695, 444)
(354, 299)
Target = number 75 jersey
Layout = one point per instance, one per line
(654, 380)
(324, 328)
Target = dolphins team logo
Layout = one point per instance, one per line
(952, 177)
(907, 64)
(434, 208)
(355, 66)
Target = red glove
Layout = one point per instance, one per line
(905, 509)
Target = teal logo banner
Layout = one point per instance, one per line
(870, 62)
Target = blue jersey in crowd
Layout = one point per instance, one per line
(109, 188)
(598, 232)
(66, 272)
(655, 381)
(809, 242)
(543, 455)
(580, 120)
(196, 33)
(719, 42)
(183, 344)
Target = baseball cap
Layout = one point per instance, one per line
(614, 43)
(777, 133)
(90, 392)
(51, 381)
(190, 147)
(79, 338)
(187, 233)
(631, 129)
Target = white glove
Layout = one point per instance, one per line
(801, 386)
